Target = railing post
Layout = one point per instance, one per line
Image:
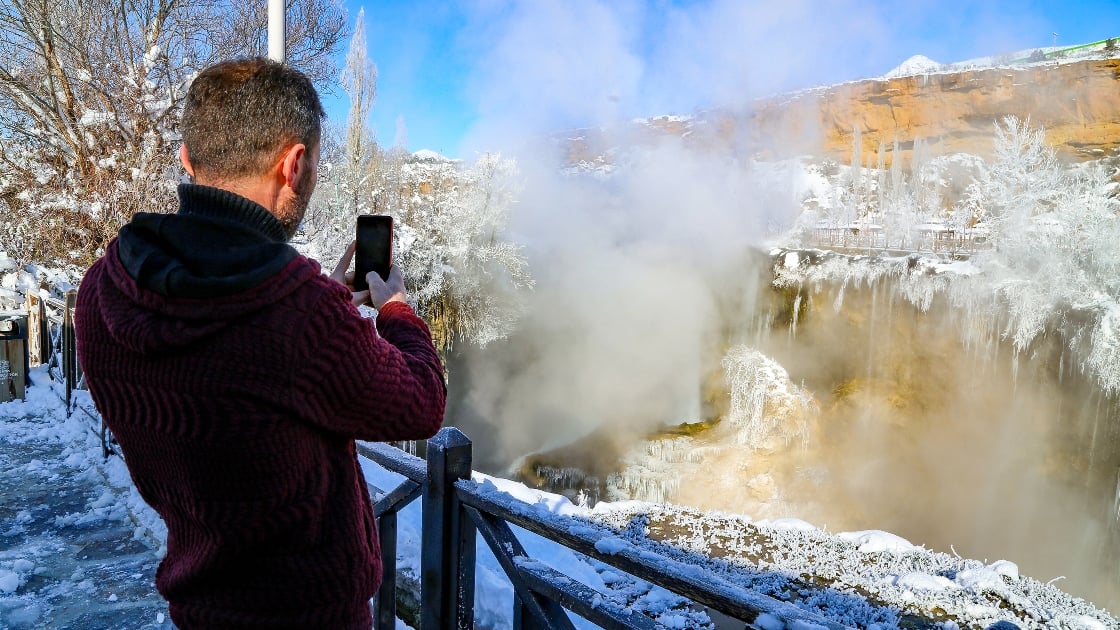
(387, 595)
(447, 550)
(69, 353)
(35, 322)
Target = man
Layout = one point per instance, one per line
(236, 377)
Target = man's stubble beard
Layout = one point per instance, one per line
(292, 210)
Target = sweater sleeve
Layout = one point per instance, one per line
(371, 387)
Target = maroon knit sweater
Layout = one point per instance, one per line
(237, 417)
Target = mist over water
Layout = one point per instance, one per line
(647, 277)
(954, 446)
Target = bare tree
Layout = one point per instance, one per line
(90, 92)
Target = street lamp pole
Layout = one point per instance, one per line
(276, 30)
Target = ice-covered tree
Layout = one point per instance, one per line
(1024, 179)
(350, 158)
(1055, 232)
(464, 274)
(467, 274)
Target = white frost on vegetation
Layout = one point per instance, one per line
(768, 411)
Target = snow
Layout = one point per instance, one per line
(80, 551)
(663, 119)
(9, 581)
(428, 155)
(876, 541)
(921, 65)
(918, 64)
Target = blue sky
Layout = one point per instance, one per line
(462, 77)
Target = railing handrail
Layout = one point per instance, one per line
(696, 583)
(541, 591)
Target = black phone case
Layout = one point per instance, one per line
(374, 250)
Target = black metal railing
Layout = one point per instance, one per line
(455, 509)
(55, 345)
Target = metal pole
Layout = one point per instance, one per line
(276, 30)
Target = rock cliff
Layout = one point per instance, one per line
(1077, 102)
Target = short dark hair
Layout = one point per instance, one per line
(241, 115)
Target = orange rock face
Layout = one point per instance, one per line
(1077, 103)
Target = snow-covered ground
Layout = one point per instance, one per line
(77, 547)
(80, 547)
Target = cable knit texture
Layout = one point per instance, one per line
(237, 412)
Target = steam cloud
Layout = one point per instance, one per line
(633, 271)
(628, 269)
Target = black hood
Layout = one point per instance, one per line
(218, 244)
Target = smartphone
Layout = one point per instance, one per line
(374, 251)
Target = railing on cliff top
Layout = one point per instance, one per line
(51, 342)
(454, 509)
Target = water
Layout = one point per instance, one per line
(873, 405)
(927, 424)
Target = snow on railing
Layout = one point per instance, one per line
(457, 508)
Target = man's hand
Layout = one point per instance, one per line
(346, 278)
(381, 292)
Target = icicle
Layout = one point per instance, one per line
(1116, 501)
(796, 314)
(1015, 369)
(839, 302)
(871, 330)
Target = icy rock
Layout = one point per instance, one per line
(1005, 568)
(981, 580)
(871, 541)
(1089, 623)
(916, 581)
(23, 566)
(9, 581)
(766, 621)
(789, 523)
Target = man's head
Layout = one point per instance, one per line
(252, 126)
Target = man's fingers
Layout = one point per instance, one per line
(359, 297)
(344, 263)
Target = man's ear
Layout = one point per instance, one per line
(186, 160)
(292, 166)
